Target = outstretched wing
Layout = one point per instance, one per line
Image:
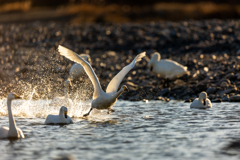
(115, 82)
(87, 67)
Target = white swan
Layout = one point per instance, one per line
(101, 99)
(63, 101)
(62, 118)
(13, 131)
(77, 70)
(166, 67)
(202, 102)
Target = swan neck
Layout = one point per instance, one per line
(116, 95)
(12, 124)
(61, 114)
(66, 91)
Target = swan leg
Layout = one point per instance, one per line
(110, 110)
(87, 113)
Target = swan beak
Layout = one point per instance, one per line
(151, 68)
(65, 113)
(204, 102)
(125, 89)
(17, 97)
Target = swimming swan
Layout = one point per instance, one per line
(13, 131)
(63, 101)
(166, 67)
(62, 118)
(101, 99)
(202, 102)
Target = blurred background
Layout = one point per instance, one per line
(79, 11)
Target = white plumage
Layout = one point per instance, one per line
(202, 102)
(13, 131)
(62, 118)
(101, 99)
(166, 68)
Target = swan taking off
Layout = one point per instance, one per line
(202, 102)
(62, 118)
(166, 67)
(101, 99)
(63, 101)
(13, 131)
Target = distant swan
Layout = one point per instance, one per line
(77, 70)
(101, 99)
(166, 67)
(62, 118)
(63, 101)
(13, 131)
(202, 102)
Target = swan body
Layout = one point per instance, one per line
(77, 70)
(166, 68)
(63, 101)
(62, 118)
(202, 102)
(101, 99)
(13, 131)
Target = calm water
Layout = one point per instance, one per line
(137, 130)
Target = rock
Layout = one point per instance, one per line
(227, 91)
(235, 98)
(225, 98)
(217, 100)
(211, 90)
(164, 92)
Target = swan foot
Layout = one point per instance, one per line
(110, 111)
(87, 113)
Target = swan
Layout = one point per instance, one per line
(13, 131)
(101, 99)
(63, 101)
(202, 102)
(167, 68)
(62, 118)
(77, 70)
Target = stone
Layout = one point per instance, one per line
(235, 98)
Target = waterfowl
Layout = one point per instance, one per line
(202, 102)
(62, 118)
(13, 131)
(63, 101)
(167, 68)
(101, 99)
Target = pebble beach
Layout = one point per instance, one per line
(29, 61)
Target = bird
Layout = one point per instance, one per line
(62, 118)
(101, 99)
(202, 102)
(64, 101)
(13, 131)
(76, 71)
(167, 68)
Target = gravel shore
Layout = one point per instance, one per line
(29, 62)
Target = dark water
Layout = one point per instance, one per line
(137, 130)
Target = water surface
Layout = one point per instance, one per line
(136, 130)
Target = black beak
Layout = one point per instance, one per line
(204, 102)
(65, 114)
(127, 90)
(151, 68)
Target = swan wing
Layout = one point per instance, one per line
(115, 82)
(87, 67)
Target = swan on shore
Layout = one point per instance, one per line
(13, 131)
(63, 101)
(202, 102)
(101, 99)
(62, 118)
(166, 68)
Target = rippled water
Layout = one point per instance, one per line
(137, 130)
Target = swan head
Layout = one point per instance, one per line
(203, 97)
(12, 96)
(68, 83)
(64, 110)
(156, 57)
(86, 57)
(124, 88)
